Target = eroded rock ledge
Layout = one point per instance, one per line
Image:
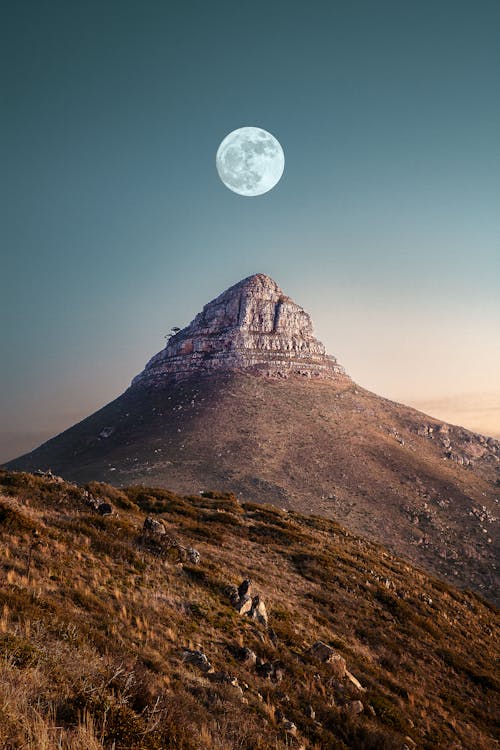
(252, 326)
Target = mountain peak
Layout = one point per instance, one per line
(252, 326)
(257, 280)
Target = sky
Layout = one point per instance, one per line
(115, 226)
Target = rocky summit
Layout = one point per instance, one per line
(251, 327)
(245, 400)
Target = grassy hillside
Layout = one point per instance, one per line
(101, 624)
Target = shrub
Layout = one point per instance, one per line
(388, 712)
(110, 494)
(152, 500)
(19, 651)
(11, 519)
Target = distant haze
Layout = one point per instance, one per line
(115, 225)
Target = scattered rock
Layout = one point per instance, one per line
(106, 432)
(244, 589)
(409, 743)
(224, 678)
(353, 708)
(247, 657)
(193, 555)
(198, 660)
(153, 526)
(290, 727)
(355, 681)
(326, 654)
(258, 611)
(246, 605)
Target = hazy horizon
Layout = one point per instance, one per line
(115, 226)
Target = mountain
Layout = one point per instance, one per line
(139, 619)
(245, 399)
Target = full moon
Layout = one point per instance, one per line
(250, 161)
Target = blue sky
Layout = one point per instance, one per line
(115, 225)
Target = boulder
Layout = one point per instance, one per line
(354, 681)
(244, 605)
(193, 555)
(153, 526)
(258, 611)
(197, 659)
(247, 657)
(289, 727)
(326, 654)
(231, 592)
(353, 708)
(244, 589)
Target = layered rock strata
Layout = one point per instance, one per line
(252, 327)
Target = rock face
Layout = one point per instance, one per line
(251, 327)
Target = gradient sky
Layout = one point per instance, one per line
(115, 225)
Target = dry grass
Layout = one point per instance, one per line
(92, 631)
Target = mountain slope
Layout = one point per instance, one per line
(112, 638)
(245, 399)
(426, 489)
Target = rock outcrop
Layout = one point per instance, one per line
(155, 539)
(253, 327)
(246, 604)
